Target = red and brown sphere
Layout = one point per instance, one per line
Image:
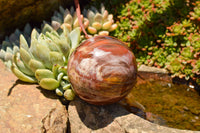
(102, 70)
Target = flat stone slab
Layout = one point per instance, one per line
(26, 108)
(86, 118)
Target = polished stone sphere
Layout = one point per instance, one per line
(102, 70)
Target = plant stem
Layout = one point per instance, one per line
(78, 11)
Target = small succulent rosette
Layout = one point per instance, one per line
(95, 22)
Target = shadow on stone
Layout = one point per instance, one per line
(47, 93)
(91, 117)
(17, 82)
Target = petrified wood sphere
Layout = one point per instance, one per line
(102, 70)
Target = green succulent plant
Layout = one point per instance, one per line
(95, 22)
(44, 62)
(102, 21)
(41, 55)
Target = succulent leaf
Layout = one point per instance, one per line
(68, 19)
(59, 91)
(47, 28)
(21, 75)
(55, 69)
(35, 64)
(21, 66)
(23, 43)
(56, 58)
(43, 73)
(75, 38)
(8, 56)
(67, 86)
(43, 55)
(69, 94)
(49, 83)
(25, 56)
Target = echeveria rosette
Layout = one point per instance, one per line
(44, 62)
(95, 22)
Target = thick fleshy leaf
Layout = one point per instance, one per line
(2, 54)
(55, 25)
(21, 66)
(55, 69)
(25, 56)
(23, 43)
(34, 42)
(75, 38)
(49, 83)
(62, 69)
(15, 49)
(92, 30)
(105, 15)
(59, 77)
(98, 18)
(107, 25)
(90, 16)
(97, 25)
(22, 76)
(47, 28)
(43, 73)
(103, 33)
(66, 25)
(67, 86)
(43, 55)
(59, 91)
(8, 56)
(68, 19)
(69, 94)
(56, 58)
(113, 27)
(9, 50)
(35, 64)
(86, 23)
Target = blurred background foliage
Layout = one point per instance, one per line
(161, 33)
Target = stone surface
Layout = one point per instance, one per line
(144, 68)
(86, 118)
(26, 108)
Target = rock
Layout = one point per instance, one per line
(144, 68)
(26, 108)
(15, 14)
(86, 118)
(55, 121)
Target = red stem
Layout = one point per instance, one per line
(78, 11)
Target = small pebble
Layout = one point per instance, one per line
(193, 120)
(169, 85)
(191, 86)
(185, 108)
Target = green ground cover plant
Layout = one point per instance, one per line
(161, 33)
